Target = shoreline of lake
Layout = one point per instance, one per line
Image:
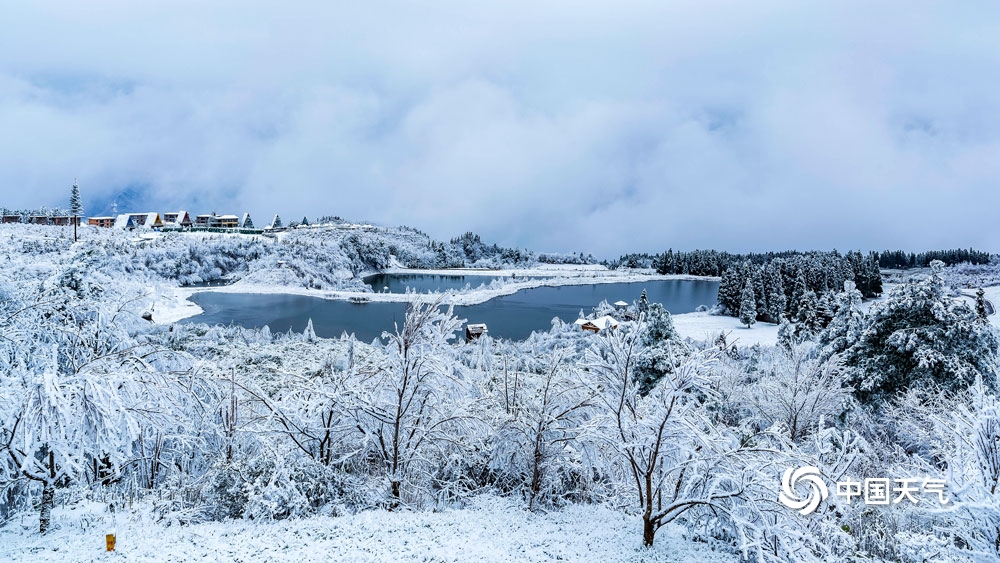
(175, 305)
(514, 315)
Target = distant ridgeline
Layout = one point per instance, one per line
(470, 249)
(315, 258)
(902, 260)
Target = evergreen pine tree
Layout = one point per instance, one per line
(826, 308)
(776, 301)
(730, 290)
(874, 276)
(920, 337)
(76, 207)
(847, 324)
(662, 348)
(799, 291)
(807, 324)
(981, 304)
(757, 277)
(786, 334)
(75, 203)
(748, 305)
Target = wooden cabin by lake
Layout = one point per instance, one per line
(473, 331)
(597, 325)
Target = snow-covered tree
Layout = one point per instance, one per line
(799, 289)
(662, 347)
(798, 392)
(759, 292)
(748, 305)
(659, 442)
(847, 324)
(77, 392)
(75, 203)
(413, 411)
(309, 334)
(808, 322)
(730, 290)
(981, 304)
(643, 305)
(787, 338)
(541, 438)
(776, 300)
(920, 336)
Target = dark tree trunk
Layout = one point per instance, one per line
(395, 494)
(648, 531)
(45, 511)
(536, 477)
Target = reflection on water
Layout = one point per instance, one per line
(422, 283)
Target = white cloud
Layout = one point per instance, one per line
(563, 126)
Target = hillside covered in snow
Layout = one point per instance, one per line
(195, 441)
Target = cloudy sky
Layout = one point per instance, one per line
(561, 126)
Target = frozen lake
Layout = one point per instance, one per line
(511, 316)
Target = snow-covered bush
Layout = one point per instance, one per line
(413, 409)
(917, 336)
(542, 426)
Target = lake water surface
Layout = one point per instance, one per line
(511, 316)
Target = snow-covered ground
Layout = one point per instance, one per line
(704, 326)
(171, 304)
(490, 530)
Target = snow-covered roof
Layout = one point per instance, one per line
(151, 218)
(142, 219)
(122, 221)
(180, 216)
(227, 217)
(621, 304)
(600, 323)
